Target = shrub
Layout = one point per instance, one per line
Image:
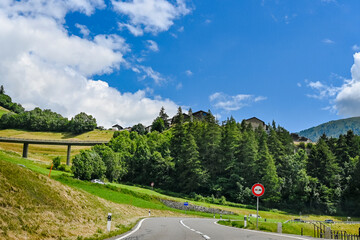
(56, 162)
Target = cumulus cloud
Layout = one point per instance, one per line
(233, 103)
(345, 99)
(152, 45)
(152, 16)
(83, 29)
(42, 65)
(348, 99)
(51, 8)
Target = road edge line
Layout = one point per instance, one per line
(200, 233)
(133, 231)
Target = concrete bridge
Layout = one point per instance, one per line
(26, 143)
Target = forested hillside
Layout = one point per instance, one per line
(41, 120)
(203, 157)
(333, 128)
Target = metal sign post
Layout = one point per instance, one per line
(257, 212)
(258, 190)
(186, 204)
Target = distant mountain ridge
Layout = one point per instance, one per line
(333, 128)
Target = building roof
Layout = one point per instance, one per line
(256, 119)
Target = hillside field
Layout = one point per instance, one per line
(47, 152)
(3, 111)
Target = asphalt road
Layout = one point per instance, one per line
(196, 229)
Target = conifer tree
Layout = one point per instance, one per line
(266, 172)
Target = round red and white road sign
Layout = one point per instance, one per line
(258, 190)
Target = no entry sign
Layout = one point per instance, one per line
(258, 190)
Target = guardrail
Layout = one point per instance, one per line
(51, 142)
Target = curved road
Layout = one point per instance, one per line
(196, 229)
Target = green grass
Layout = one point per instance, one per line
(33, 206)
(46, 153)
(113, 194)
(289, 228)
(38, 167)
(3, 111)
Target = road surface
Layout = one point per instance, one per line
(196, 229)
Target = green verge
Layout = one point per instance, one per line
(288, 228)
(111, 192)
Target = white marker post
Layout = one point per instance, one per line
(258, 190)
(245, 222)
(109, 222)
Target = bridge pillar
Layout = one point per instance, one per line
(25, 150)
(68, 155)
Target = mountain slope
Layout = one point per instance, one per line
(333, 128)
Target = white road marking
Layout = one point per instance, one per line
(133, 231)
(273, 234)
(203, 235)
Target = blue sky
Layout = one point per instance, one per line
(294, 62)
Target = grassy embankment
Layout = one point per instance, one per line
(3, 110)
(34, 206)
(47, 152)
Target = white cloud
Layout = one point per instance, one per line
(41, 65)
(152, 45)
(260, 98)
(83, 29)
(322, 91)
(233, 103)
(345, 100)
(135, 30)
(150, 73)
(50, 8)
(348, 99)
(299, 84)
(355, 47)
(152, 16)
(328, 41)
(188, 73)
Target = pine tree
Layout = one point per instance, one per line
(266, 172)
(246, 159)
(164, 117)
(276, 150)
(322, 164)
